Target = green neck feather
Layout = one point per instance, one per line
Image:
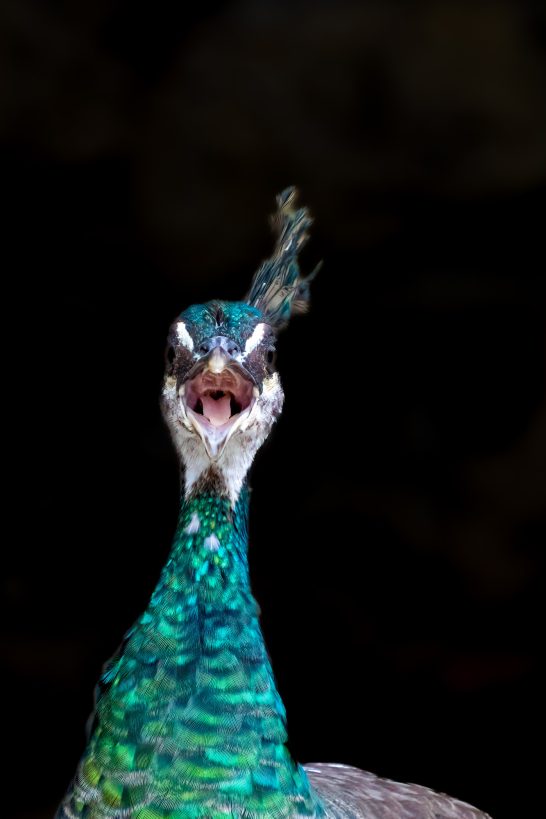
(189, 722)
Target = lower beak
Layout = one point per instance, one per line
(218, 401)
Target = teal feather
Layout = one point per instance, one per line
(278, 290)
(188, 721)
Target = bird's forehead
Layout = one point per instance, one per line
(235, 319)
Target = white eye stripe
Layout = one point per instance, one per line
(255, 339)
(183, 336)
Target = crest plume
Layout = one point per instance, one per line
(278, 289)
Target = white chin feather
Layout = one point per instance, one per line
(216, 438)
(230, 451)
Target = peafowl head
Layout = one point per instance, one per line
(222, 393)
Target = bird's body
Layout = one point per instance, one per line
(188, 720)
(349, 793)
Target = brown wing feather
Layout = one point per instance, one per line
(353, 794)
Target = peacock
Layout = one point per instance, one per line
(188, 721)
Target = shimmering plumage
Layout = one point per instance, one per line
(349, 793)
(277, 288)
(188, 721)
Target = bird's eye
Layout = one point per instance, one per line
(270, 357)
(171, 354)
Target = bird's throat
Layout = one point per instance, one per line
(189, 721)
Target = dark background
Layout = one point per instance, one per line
(398, 512)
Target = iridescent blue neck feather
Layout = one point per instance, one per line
(189, 722)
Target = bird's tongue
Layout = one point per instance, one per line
(217, 410)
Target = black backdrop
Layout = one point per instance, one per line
(397, 524)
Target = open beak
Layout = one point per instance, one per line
(218, 399)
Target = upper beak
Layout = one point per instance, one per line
(217, 360)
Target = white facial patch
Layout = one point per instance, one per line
(183, 336)
(235, 460)
(238, 455)
(169, 388)
(254, 339)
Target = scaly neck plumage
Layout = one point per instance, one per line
(189, 722)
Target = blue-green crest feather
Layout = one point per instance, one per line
(278, 289)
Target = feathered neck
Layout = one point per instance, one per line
(189, 722)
